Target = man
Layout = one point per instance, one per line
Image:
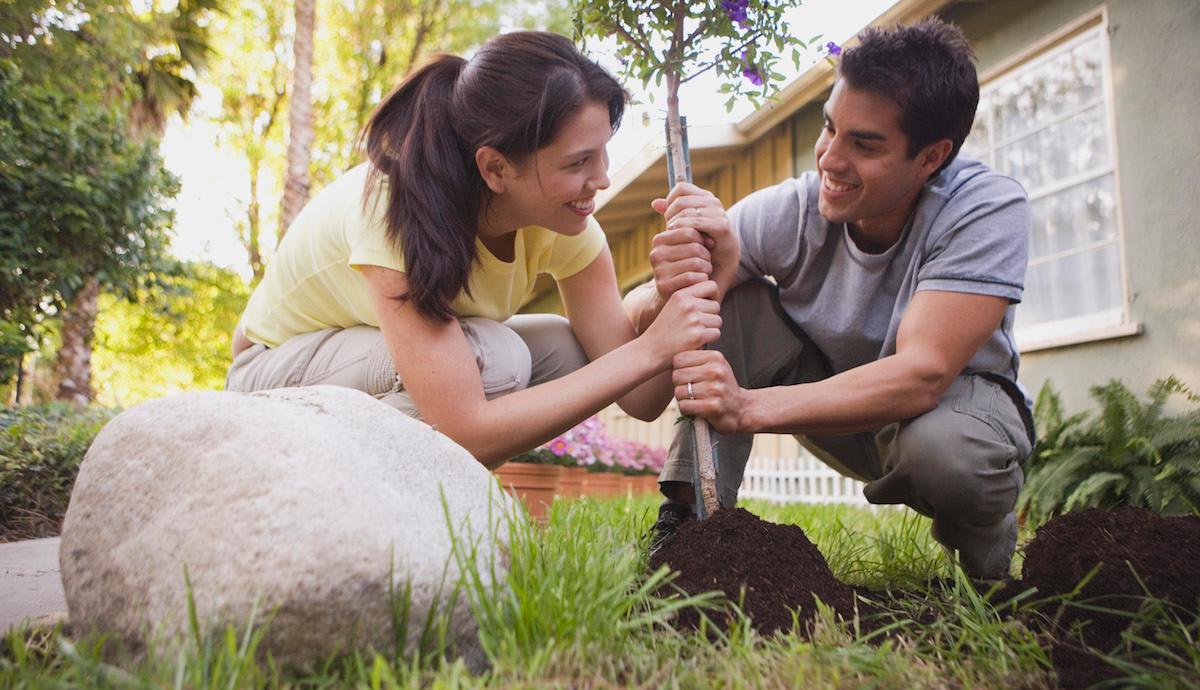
(885, 343)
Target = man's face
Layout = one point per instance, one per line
(867, 178)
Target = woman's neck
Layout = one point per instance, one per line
(497, 231)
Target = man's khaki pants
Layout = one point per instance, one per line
(524, 351)
(958, 464)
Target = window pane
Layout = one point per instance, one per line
(1073, 285)
(978, 143)
(1077, 216)
(1070, 147)
(1038, 96)
(1046, 125)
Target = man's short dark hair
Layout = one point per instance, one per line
(927, 70)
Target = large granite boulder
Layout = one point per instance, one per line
(313, 505)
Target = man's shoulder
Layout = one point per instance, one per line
(970, 201)
(967, 178)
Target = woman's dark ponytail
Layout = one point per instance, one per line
(513, 96)
(433, 198)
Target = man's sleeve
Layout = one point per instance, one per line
(979, 242)
(768, 226)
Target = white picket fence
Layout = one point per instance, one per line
(780, 469)
(799, 479)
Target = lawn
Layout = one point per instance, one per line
(581, 611)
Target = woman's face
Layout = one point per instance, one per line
(556, 187)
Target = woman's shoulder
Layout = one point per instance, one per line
(342, 201)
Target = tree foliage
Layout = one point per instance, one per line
(136, 63)
(1128, 452)
(174, 335)
(78, 198)
(366, 47)
(675, 41)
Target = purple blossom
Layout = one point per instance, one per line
(833, 48)
(749, 71)
(736, 9)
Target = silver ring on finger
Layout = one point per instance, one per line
(697, 211)
(691, 393)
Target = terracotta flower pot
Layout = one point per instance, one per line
(570, 482)
(648, 483)
(603, 484)
(629, 485)
(534, 484)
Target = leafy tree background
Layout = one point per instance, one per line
(78, 199)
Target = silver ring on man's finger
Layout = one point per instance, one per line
(697, 210)
(691, 394)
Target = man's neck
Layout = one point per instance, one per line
(879, 234)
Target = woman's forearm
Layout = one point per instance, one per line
(496, 430)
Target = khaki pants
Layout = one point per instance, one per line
(958, 464)
(524, 351)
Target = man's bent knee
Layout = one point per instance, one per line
(960, 466)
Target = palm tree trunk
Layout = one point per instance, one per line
(74, 363)
(300, 126)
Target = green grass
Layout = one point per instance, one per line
(579, 610)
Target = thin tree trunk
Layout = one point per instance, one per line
(253, 222)
(300, 126)
(19, 383)
(706, 465)
(74, 364)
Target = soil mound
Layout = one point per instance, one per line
(1137, 551)
(1163, 551)
(773, 569)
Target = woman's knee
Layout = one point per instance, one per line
(553, 348)
(502, 356)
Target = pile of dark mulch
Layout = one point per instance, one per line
(1137, 551)
(771, 569)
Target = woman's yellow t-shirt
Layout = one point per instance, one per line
(312, 282)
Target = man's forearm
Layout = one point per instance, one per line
(643, 305)
(865, 398)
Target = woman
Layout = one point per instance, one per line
(402, 277)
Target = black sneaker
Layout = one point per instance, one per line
(670, 516)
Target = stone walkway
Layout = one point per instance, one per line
(30, 585)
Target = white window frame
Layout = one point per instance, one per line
(1111, 323)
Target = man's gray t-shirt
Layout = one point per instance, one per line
(968, 233)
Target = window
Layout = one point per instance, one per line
(1046, 122)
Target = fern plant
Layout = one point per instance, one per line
(1128, 452)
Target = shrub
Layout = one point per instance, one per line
(40, 451)
(1128, 452)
